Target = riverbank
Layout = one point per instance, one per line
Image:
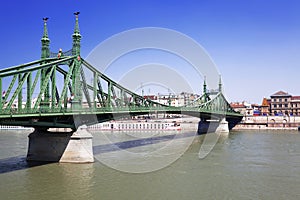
(261, 127)
(269, 123)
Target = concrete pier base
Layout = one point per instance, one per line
(73, 147)
(213, 126)
(223, 126)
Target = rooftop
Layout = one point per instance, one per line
(281, 94)
(237, 105)
(295, 98)
(265, 102)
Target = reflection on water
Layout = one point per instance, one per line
(244, 165)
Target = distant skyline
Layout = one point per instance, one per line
(254, 44)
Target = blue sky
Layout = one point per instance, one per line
(255, 44)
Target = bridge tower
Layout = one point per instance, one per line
(76, 84)
(205, 93)
(75, 146)
(45, 41)
(44, 55)
(76, 36)
(212, 123)
(220, 84)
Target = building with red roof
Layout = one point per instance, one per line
(265, 106)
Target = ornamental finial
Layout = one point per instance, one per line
(45, 41)
(45, 19)
(204, 85)
(76, 30)
(76, 37)
(45, 35)
(220, 83)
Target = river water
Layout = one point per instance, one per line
(243, 165)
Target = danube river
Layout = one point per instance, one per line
(243, 165)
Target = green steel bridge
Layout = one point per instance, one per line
(57, 94)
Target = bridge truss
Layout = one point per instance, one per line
(57, 92)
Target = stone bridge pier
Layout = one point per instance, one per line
(71, 147)
(213, 125)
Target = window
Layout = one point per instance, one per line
(280, 105)
(279, 100)
(285, 105)
(274, 105)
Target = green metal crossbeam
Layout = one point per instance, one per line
(12, 83)
(42, 90)
(18, 90)
(38, 73)
(85, 90)
(37, 67)
(67, 80)
(18, 67)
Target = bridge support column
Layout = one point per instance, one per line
(223, 126)
(73, 147)
(211, 126)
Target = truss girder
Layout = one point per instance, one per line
(56, 80)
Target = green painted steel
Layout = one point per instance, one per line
(29, 92)
(76, 37)
(17, 92)
(56, 90)
(45, 41)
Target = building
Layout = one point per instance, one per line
(265, 107)
(171, 99)
(255, 110)
(282, 103)
(295, 105)
(177, 100)
(243, 108)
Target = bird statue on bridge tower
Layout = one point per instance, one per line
(45, 19)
